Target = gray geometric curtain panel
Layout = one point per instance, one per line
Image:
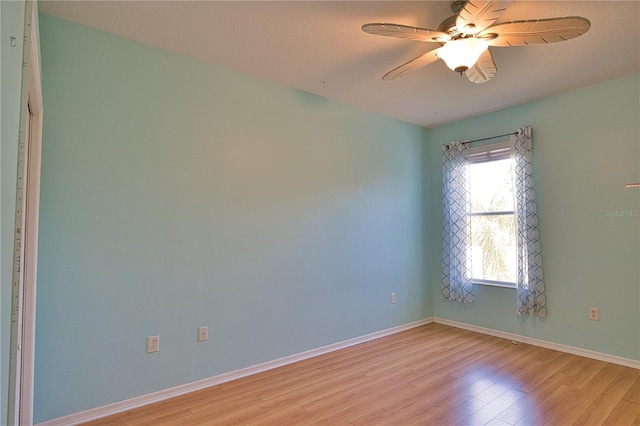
(456, 263)
(530, 281)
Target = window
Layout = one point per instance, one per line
(492, 220)
(490, 229)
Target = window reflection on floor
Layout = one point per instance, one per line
(493, 398)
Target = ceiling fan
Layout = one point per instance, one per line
(466, 36)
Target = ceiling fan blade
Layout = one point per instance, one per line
(412, 65)
(406, 32)
(476, 15)
(536, 31)
(483, 70)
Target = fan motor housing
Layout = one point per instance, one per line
(448, 25)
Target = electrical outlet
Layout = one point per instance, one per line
(594, 314)
(392, 298)
(203, 334)
(153, 344)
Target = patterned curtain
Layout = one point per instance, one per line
(456, 264)
(530, 284)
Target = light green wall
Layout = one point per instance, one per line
(12, 14)
(177, 194)
(586, 147)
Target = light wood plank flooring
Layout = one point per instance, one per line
(431, 375)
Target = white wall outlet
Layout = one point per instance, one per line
(153, 344)
(392, 298)
(203, 334)
(594, 314)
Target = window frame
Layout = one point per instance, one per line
(484, 154)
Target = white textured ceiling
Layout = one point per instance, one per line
(318, 47)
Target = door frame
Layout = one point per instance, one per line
(22, 354)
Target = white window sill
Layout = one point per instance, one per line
(494, 283)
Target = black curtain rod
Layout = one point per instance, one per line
(490, 137)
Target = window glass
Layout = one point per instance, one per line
(493, 236)
(491, 186)
(493, 248)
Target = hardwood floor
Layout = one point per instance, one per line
(430, 375)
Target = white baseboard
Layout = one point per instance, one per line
(129, 404)
(543, 343)
(139, 401)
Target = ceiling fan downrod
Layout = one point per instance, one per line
(457, 5)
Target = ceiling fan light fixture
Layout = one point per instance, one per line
(462, 54)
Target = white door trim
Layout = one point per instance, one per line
(31, 227)
(23, 334)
